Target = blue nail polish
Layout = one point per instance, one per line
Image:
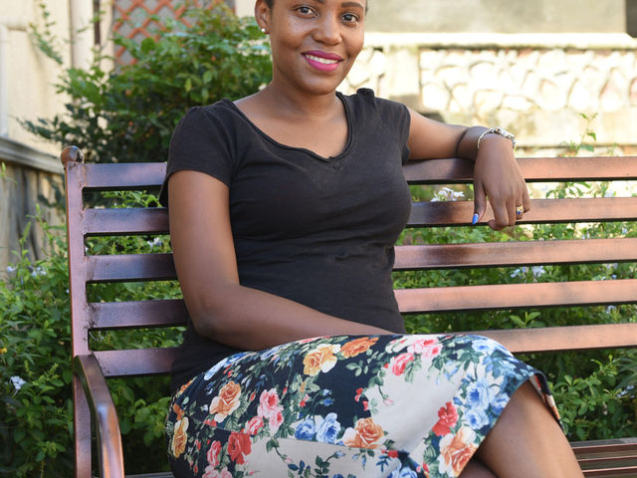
(475, 220)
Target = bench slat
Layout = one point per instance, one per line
(122, 176)
(444, 256)
(559, 339)
(125, 363)
(426, 214)
(450, 171)
(516, 296)
(104, 222)
(611, 472)
(150, 313)
(132, 267)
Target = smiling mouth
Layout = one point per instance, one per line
(318, 59)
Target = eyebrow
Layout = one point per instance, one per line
(346, 4)
(352, 4)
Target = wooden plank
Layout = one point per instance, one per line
(150, 313)
(450, 171)
(528, 253)
(122, 176)
(615, 445)
(113, 222)
(560, 339)
(517, 296)
(130, 267)
(607, 472)
(457, 213)
(133, 362)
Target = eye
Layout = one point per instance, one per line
(305, 10)
(350, 18)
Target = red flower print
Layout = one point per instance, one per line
(239, 445)
(399, 363)
(254, 425)
(269, 408)
(448, 417)
(428, 348)
(359, 392)
(213, 453)
(391, 453)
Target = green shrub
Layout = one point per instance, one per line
(129, 113)
(35, 420)
(36, 424)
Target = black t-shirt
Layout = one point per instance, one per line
(318, 231)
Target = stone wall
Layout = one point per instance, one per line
(537, 86)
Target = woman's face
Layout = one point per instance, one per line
(314, 42)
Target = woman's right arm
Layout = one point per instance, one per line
(219, 307)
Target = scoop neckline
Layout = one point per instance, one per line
(342, 154)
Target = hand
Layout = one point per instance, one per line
(497, 176)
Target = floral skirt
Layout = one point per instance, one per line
(399, 406)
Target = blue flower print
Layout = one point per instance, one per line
(328, 429)
(477, 418)
(305, 430)
(404, 473)
(486, 346)
(499, 403)
(478, 395)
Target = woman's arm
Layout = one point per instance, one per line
(497, 175)
(219, 306)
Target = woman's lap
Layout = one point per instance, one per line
(399, 406)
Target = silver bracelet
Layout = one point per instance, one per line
(497, 130)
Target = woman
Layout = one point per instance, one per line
(284, 207)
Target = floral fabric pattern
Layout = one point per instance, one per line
(397, 406)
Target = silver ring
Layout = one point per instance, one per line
(519, 210)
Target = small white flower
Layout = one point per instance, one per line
(17, 382)
(155, 242)
(537, 271)
(38, 271)
(447, 194)
(11, 269)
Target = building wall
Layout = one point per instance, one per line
(31, 167)
(497, 16)
(30, 75)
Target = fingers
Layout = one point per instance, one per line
(479, 203)
(505, 213)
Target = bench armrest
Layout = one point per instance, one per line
(104, 415)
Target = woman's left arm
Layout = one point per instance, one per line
(497, 175)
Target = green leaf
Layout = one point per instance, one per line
(148, 45)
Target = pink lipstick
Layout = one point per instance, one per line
(322, 61)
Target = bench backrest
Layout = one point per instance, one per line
(84, 222)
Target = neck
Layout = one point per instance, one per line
(292, 102)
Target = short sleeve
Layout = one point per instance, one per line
(201, 143)
(397, 119)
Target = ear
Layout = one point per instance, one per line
(262, 14)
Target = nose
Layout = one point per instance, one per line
(328, 30)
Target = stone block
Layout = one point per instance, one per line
(581, 98)
(435, 97)
(613, 96)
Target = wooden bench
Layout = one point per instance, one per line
(94, 405)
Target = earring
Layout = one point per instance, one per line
(263, 30)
